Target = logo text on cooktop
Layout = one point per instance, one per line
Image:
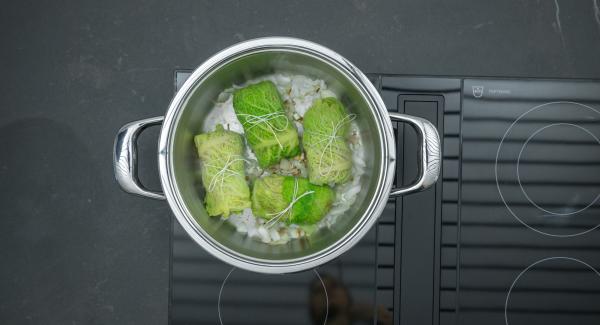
(499, 92)
(478, 91)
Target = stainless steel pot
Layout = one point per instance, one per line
(177, 157)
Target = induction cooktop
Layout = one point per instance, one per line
(508, 235)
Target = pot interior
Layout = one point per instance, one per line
(185, 168)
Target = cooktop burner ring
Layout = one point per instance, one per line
(234, 268)
(519, 174)
(553, 258)
(496, 173)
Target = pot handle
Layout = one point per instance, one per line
(429, 155)
(125, 157)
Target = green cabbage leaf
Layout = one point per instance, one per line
(326, 128)
(291, 200)
(222, 167)
(269, 132)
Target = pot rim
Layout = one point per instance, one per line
(384, 177)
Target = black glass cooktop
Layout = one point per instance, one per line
(529, 212)
(507, 236)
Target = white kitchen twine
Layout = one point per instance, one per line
(288, 210)
(254, 120)
(330, 138)
(224, 172)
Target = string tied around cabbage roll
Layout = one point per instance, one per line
(276, 217)
(330, 149)
(327, 125)
(256, 120)
(222, 173)
(269, 132)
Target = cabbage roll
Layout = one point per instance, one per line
(223, 175)
(270, 133)
(290, 200)
(326, 128)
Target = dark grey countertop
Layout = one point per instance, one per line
(74, 249)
